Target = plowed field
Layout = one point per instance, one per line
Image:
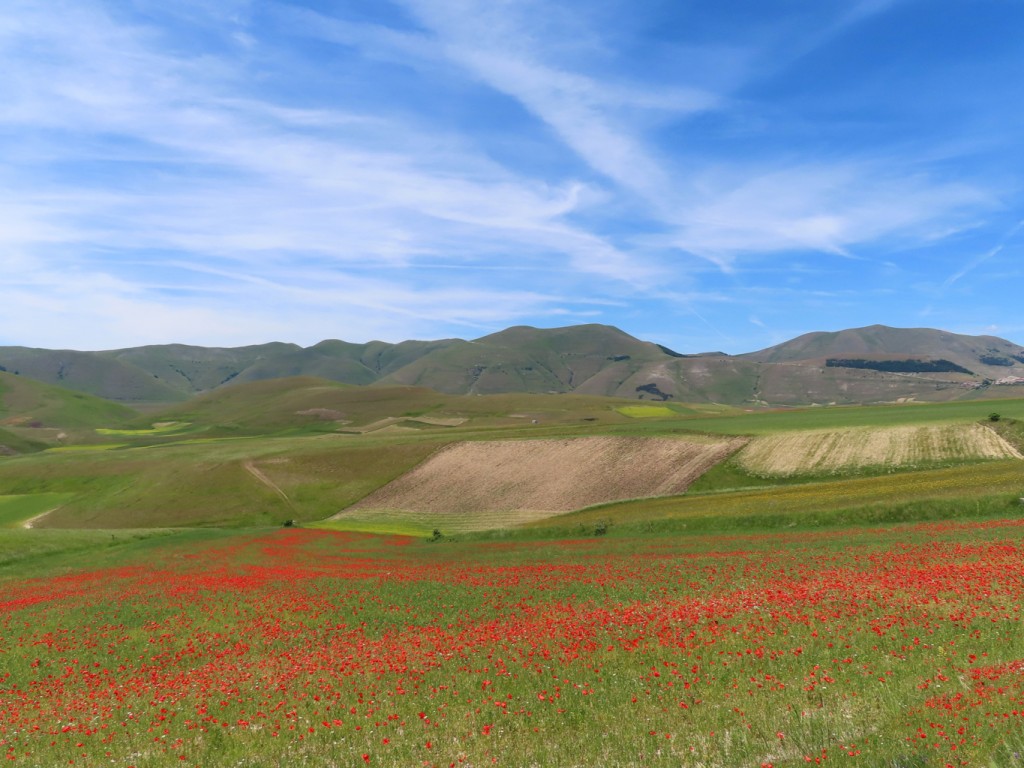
(480, 485)
(841, 450)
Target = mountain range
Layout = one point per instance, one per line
(861, 365)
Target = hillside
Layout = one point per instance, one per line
(859, 365)
(985, 355)
(524, 359)
(94, 373)
(311, 405)
(877, 363)
(34, 415)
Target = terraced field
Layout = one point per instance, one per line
(818, 452)
(490, 484)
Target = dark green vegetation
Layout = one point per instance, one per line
(899, 366)
(862, 365)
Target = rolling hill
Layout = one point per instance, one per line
(34, 415)
(860, 365)
(307, 405)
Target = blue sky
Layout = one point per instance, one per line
(707, 175)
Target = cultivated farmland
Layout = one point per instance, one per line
(491, 484)
(844, 450)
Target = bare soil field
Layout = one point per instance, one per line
(480, 485)
(842, 450)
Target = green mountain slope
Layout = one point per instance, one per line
(190, 369)
(525, 359)
(871, 364)
(90, 372)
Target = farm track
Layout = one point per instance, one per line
(31, 522)
(255, 471)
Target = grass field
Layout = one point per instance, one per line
(838, 417)
(822, 502)
(16, 511)
(895, 647)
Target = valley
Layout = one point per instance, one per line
(478, 577)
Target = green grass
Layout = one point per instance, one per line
(810, 503)
(19, 444)
(212, 482)
(837, 417)
(391, 527)
(86, 448)
(26, 401)
(16, 510)
(41, 553)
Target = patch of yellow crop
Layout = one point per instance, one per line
(647, 411)
(162, 428)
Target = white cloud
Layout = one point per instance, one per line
(825, 208)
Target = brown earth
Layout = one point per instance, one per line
(480, 485)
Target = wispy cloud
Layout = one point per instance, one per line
(980, 259)
(492, 41)
(199, 169)
(254, 169)
(829, 209)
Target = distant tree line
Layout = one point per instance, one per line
(652, 389)
(899, 366)
(995, 360)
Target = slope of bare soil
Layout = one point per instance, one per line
(479, 485)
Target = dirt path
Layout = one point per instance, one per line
(253, 470)
(31, 522)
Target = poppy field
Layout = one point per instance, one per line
(900, 646)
